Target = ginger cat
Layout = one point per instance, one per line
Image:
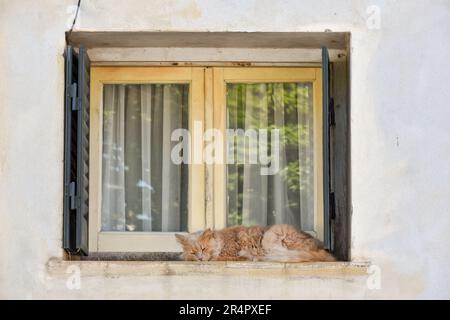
(280, 242)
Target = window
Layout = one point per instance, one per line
(249, 101)
(134, 174)
(138, 196)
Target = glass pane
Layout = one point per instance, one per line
(142, 189)
(285, 193)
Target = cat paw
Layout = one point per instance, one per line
(242, 253)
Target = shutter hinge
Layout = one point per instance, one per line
(332, 206)
(73, 96)
(72, 197)
(331, 113)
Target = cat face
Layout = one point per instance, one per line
(199, 246)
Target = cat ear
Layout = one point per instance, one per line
(207, 234)
(183, 240)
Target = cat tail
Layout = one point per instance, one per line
(322, 255)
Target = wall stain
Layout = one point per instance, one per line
(191, 11)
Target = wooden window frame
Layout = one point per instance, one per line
(207, 205)
(100, 241)
(223, 75)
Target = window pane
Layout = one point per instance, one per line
(284, 194)
(142, 189)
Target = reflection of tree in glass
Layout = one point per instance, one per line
(283, 106)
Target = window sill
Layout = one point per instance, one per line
(58, 267)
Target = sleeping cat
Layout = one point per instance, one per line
(225, 244)
(280, 242)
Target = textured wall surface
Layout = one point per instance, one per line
(400, 143)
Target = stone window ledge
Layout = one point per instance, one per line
(58, 267)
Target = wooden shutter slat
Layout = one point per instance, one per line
(76, 152)
(69, 151)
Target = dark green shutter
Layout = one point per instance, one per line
(76, 151)
(328, 121)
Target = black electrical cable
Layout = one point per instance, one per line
(74, 19)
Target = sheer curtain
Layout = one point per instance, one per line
(288, 195)
(142, 189)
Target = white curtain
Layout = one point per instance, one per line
(288, 195)
(142, 189)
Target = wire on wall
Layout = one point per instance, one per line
(74, 20)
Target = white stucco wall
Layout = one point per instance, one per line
(400, 154)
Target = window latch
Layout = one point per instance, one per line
(332, 206)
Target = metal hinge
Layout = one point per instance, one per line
(72, 196)
(73, 95)
(331, 117)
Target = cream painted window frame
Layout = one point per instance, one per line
(207, 205)
(220, 76)
(100, 241)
